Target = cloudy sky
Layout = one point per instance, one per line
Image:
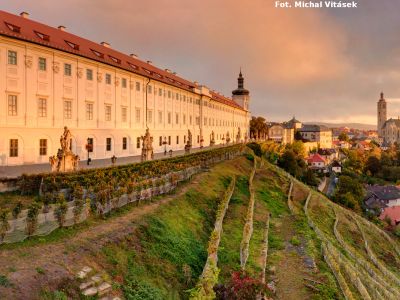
(317, 64)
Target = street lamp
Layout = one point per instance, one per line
(165, 145)
(89, 147)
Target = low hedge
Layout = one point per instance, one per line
(51, 182)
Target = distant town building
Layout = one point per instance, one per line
(317, 133)
(316, 161)
(391, 213)
(336, 167)
(379, 197)
(280, 133)
(382, 115)
(293, 123)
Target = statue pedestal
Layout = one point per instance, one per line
(64, 162)
(147, 154)
(212, 143)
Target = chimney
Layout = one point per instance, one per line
(168, 70)
(133, 55)
(174, 73)
(24, 14)
(196, 83)
(105, 44)
(149, 62)
(62, 28)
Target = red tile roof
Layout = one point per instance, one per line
(34, 32)
(393, 213)
(316, 158)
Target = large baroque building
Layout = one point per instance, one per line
(50, 78)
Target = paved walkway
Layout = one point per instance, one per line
(15, 171)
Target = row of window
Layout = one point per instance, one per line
(42, 63)
(42, 112)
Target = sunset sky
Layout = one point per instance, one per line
(317, 64)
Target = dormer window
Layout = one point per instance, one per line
(13, 28)
(43, 36)
(114, 59)
(72, 45)
(97, 53)
(147, 71)
(133, 66)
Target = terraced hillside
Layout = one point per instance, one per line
(241, 216)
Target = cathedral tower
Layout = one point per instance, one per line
(241, 95)
(382, 114)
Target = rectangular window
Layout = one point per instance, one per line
(90, 144)
(184, 119)
(160, 117)
(169, 118)
(108, 144)
(108, 112)
(197, 120)
(137, 115)
(12, 105)
(177, 139)
(67, 69)
(42, 147)
(177, 96)
(124, 143)
(169, 140)
(68, 109)
(89, 111)
(190, 120)
(42, 64)
(150, 116)
(42, 108)
(184, 139)
(138, 142)
(160, 141)
(124, 83)
(149, 89)
(89, 74)
(138, 86)
(124, 114)
(205, 121)
(160, 92)
(14, 148)
(108, 78)
(169, 94)
(177, 118)
(12, 57)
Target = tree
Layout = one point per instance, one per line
(349, 192)
(258, 127)
(61, 210)
(373, 165)
(298, 136)
(343, 137)
(292, 164)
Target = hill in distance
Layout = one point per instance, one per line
(359, 126)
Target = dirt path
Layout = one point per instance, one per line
(290, 269)
(62, 259)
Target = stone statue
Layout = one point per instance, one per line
(238, 136)
(212, 138)
(228, 138)
(188, 145)
(65, 140)
(147, 147)
(65, 160)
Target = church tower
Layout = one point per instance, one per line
(382, 114)
(241, 95)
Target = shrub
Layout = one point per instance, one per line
(4, 225)
(17, 209)
(135, 289)
(61, 210)
(31, 218)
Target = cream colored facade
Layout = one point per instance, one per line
(47, 89)
(279, 133)
(315, 133)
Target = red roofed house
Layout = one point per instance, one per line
(316, 161)
(393, 213)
